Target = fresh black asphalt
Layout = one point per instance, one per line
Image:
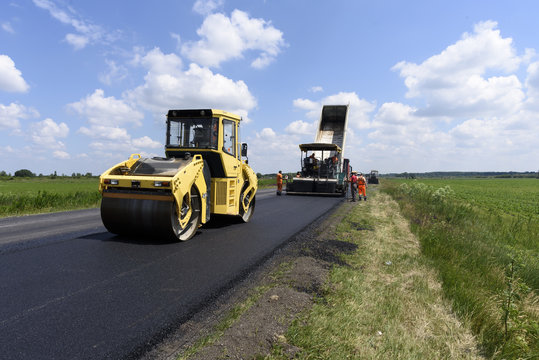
(71, 290)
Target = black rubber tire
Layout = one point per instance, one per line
(192, 226)
(247, 215)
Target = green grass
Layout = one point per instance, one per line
(385, 303)
(509, 196)
(21, 196)
(482, 236)
(267, 183)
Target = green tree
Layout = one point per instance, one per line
(24, 173)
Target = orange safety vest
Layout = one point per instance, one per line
(361, 181)
(279, 178)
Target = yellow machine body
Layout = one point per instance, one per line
(202, 174)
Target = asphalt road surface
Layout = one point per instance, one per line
(71, 290)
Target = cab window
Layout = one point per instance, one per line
(229, 137)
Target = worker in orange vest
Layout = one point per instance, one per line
(279, 182)
(362, 187)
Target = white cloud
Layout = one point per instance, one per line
(106, 115)
(11, 79)
(11, 115)
(106, 111)
(77, 41)
(178, 39)
(224, 38)
(115, 73)
(6, 26)
(86, 31)
(46, 133)
(104, 132)
(358, 112)
(270, 151)
(205, 7)
(146, 142)
(300, 127)
(453, 82)
(316, 89)
(168, 86)
(58, 154)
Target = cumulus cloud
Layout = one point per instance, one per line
(316, 89)
(106, 111)
(86, 31)
(46, 133)
(106, 116)
(146, 142)
(205, 7)
(358, 112)
(300, 127)
(62, 155)
(474, 112)
(77, 41)
(11, 79)
(11, 115)
(224, 38)
(115, 73)
(167, 85)
(268, 148)
(453, 83)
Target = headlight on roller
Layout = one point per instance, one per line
(161, 183)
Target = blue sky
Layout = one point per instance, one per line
(432, 85)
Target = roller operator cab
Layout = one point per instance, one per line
(205, 172)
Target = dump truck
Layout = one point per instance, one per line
(205, 171)
(324, 170)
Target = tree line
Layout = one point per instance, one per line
(29, 174)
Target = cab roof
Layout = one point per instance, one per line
(319, 147)
(201, 113)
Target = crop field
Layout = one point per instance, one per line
(509, 196)
(482, 236)
(19, 196)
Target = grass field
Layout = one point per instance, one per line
(20, 196)
(482, 236)
(518, 197)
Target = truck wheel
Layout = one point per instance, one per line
(191, 203)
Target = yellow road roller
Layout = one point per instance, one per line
(205, 171)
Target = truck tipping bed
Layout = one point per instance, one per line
(332, 126)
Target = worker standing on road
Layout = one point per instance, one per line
(279, 182)
(353, 185)
(362, 187)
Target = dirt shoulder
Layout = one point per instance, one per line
(302, 290)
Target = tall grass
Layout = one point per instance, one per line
(44, 201)
(473, 250)
(20, 196)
